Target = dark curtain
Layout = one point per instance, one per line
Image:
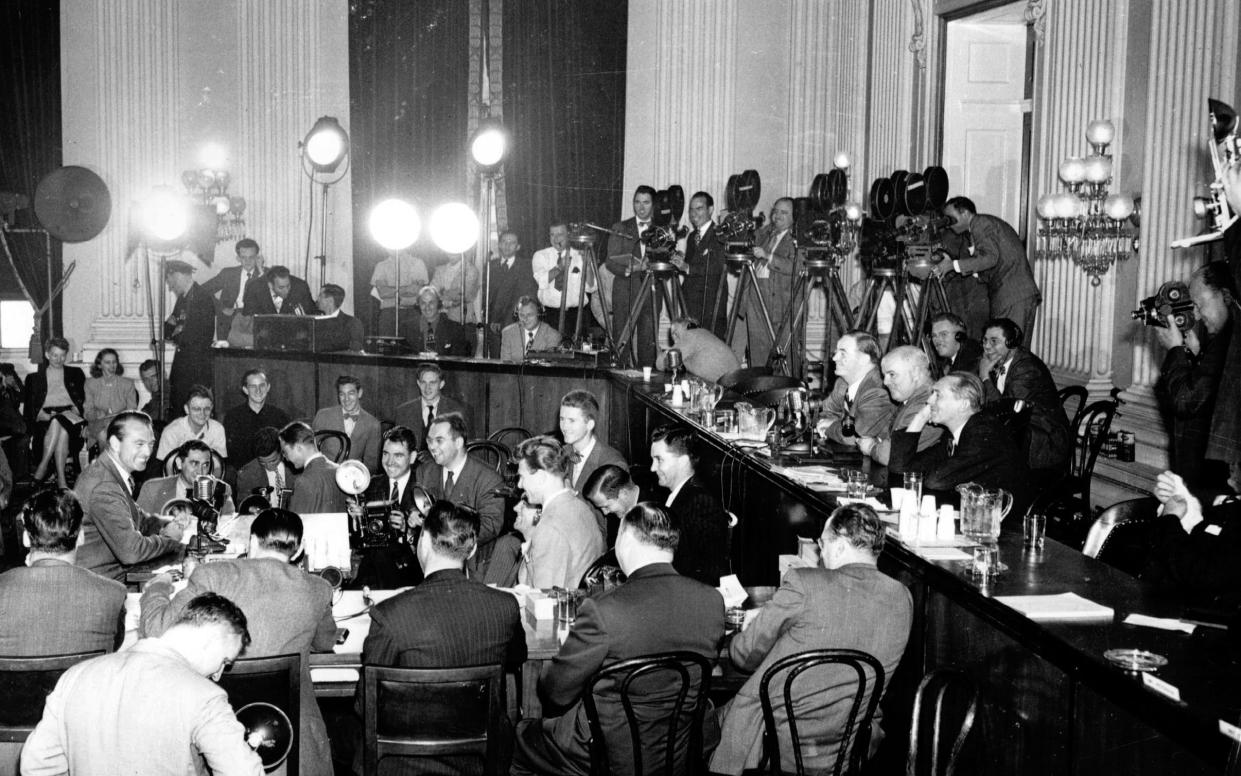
(408, 73)
(564, 105)
(30, 137)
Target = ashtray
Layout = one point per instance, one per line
(1136, 659)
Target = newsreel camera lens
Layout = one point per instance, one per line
(1173, 300)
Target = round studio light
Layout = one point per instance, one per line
(395, 225)
(454, 228)
(165, 215)
(842, 160)
(326, 144)
(490, 143)
(213, 156)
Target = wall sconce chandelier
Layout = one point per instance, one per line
(1088, 224)
(210, 187)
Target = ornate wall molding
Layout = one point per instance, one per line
(1036, 17)
(918, 39)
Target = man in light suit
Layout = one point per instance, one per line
(432, 402)
(848, 604)
(340, 330)
(773, 268)
(267, 469)
(656, 610)
(704, 258)
(696, 513)
(559, 271)
(907, 375)
(995, 253)
(87, 610)
(579, 419)
(859, 405)
(454, 476)
(231, 283)
(530, 333)
(624, 261)
(511, 277)
(348, 416)
(196, 460)
(160, 693)
(116, 532)
(316, 490)
(288, 611)
(448, 620)
(387, 568)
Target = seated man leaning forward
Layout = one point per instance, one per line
(705, 355)
(656, 610)
(116, 532)
(847, 604)
(288, 610)
(88, 609)
(160, 692)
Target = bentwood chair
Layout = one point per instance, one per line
(1120, 535)
(1068, 394)
(173, 464)
(944, 709)
(510, 436)
(276, 681)
(495, 454)
(854, 738)
(335, 445)
(25, 683)
(656, 696)
(443, 713)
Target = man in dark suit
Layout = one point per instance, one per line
(339, 330)
(433, 331)
(86, 611)
(316, 490)
(510, 277)
(955, 350)
(848, 604)
(243, 422)
(454, 476)
(417, 414)
(231, 282)
(267, 469)
(626, 263)
(1195, 549)
(116, 532)
(656, 610)
(288, 611)
(704, 258)
(447, 621)
(977, 447)
(1012, 375)
(996, 254)
(579, 419)
(196, 460)
(386, 568)
(348, 416)
(192, 327)
(282, 294)
(696, 513)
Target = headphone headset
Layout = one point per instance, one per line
(518, 305)
(1012, 332)
(959, 336)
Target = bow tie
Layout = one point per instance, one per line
(352, 415)
(1000, 370)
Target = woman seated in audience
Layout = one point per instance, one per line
(53, 406)
(107, 394)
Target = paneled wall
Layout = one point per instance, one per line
(146, 83)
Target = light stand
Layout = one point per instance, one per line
(395, 225)
(323, 151)
(488, 147)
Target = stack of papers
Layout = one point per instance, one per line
(1065, 606)
(812, 475)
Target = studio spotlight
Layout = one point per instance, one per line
(165, 216)
(326, 144)
(454, 228)
(395, 224)
(489, 144)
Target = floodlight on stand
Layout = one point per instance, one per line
(395, 225)
(489, 145)
(326, 144)
(454, 228)
(165, 216)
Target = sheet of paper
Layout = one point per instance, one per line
(1163, 623)
(942, 553)
(1065, 606)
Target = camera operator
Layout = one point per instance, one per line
(1224, 437)
(395, 564)
(1189, 379)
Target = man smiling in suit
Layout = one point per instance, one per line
(530, 333)
(432, 401)
(348, 416)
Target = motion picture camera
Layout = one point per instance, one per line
(1172, 299)
(1225, 153)
(739, 223)
(905, 225)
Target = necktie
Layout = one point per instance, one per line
(430, 416)
(429, 340)
(952, 447)
(280, 477)
(351, 422)
(529, 340)
(129, 482)
(448, 483)
(996, 374)
(395, 498)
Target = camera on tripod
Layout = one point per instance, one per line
(905, 223)
(1171, 300)
(1225, 153)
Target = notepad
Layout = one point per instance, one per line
(1065, 606)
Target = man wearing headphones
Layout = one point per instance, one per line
(529, 333)
(955, 350)
(1014, 378)
(1190, 376)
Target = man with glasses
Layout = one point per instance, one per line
(197, 423)
(161, 693)
(195, 462)
(242, 423)
(418, 413)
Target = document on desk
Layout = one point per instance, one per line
(1050, 608)
(813, 476)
